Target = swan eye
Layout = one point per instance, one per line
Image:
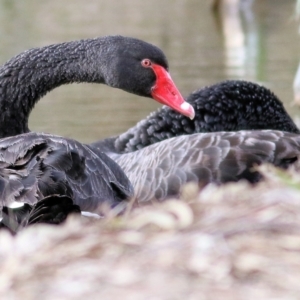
(146, 63)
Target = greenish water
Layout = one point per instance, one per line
(259, 43)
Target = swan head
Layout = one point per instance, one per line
(142, 69)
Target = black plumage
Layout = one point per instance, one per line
(203, 158)
(53, 209)
(225, 106)
(34, 166)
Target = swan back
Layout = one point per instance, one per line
(34, 166)
(160, 170)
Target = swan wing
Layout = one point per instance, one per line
(160, 170)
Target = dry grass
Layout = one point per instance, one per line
(229, 242)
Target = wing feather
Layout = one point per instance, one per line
(205, 157)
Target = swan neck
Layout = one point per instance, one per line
(30, 75)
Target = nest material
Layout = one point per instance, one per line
(230, 242)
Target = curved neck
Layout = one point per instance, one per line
(30, 75)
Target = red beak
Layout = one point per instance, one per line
(166, 92)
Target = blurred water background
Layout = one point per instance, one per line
(257, 40)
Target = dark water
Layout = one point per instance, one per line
(259, 43)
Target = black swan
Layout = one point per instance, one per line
(71, 168)
(185, 153)
(230, 105)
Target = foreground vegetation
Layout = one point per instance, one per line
(230, 242)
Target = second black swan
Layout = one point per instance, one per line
(166, 150)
